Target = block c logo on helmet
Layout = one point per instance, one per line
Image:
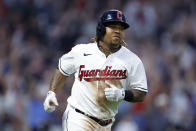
(119, 15)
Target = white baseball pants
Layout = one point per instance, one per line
(74, 121)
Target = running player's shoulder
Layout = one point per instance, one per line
(80, 47)
(130, 55)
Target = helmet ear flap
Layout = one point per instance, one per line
(100, 30)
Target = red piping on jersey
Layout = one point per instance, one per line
(105, 74)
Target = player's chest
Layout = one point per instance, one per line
(96, 67)
(96, 61)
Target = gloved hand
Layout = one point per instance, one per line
(50, 102)
(114, 93)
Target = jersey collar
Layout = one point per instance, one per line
(98, 47)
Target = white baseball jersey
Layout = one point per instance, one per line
(94, 72)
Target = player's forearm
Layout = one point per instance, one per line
(57, 81)
(136, 96)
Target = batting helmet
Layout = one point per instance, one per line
(110, 16)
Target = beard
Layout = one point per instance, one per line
(114, 47)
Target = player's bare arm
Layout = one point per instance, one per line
(57, 81)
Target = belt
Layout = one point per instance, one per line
(99, 121)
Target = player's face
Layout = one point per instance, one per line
(114, 34)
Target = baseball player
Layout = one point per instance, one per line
(106, 73)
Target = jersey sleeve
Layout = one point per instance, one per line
(67, 63)
(137, 77)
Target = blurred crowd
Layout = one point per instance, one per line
(35, 33)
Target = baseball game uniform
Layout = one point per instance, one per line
(88, 108)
